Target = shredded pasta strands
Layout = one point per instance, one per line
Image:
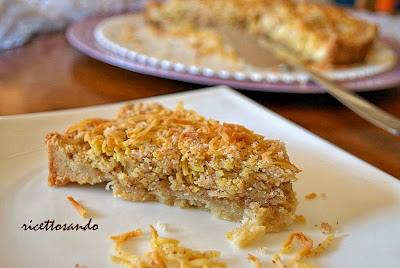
(226, 133)
(162, 128)
(164, 252)
(120, 239)
(77, 206)
(278, 262)
(321, 246)
(86, 124)
(123, 237)
(254, 260)
(307, 242)
(307, 251)
(119, 260)
(297, 264)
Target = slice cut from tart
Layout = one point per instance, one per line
(178, 157)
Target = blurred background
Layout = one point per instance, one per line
(19, 19)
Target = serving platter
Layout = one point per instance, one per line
(361, 203)
(86, 37)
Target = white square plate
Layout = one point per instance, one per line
(362, 203)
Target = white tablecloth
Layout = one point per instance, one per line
(19, 19)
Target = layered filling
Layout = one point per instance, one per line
(179, 158)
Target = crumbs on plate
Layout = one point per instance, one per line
(165, 252)
(300, 219)
(327, 228)
(310, 196)
(77, 206)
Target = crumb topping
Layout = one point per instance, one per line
(202, 153)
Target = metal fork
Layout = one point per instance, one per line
(245, 44)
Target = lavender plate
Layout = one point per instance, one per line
(80, 35)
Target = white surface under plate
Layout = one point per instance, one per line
(364, 201)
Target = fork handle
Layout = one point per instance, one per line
(353, 101)
(359, 105)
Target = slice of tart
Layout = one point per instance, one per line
(177, 157)
(318, 34)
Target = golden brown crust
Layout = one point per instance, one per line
(63, 168)
(50, 141)
(349, 53)
(352, 37)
